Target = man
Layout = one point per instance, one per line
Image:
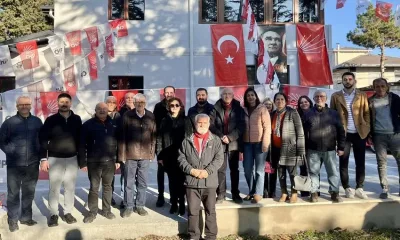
(97, 156)
(200, 157)
(136, 148)
(385, 128)
(19, 140)
(202, 106)
(352, 107)
(325, 137)
(160, 112)
(59, 138)
(128, 103)
(227, 122)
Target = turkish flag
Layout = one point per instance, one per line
(48, 104)
(179, 93)
(92, 57)
(313, 55)
(383, 10)
(340, 3)
(120, 25)
(93, 37)
(120, 96)
(229, 54)
(294, 93)
(74, 41)
(70, 83)
(29, 54)
(109, 46)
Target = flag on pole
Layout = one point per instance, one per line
(383, 10)
(93, 37)
(251, 28)
(29, 54)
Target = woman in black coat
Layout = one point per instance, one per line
(169, 139)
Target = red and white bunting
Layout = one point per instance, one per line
(93, 37)
(56, 45)
(251, 28)
(100, 55)
(74, 42)
(83, 74)
(5, 61)
(120, 26)
(92, 57)
(383, 10)
(29, 54)
(340, 3)
(109, 46)
(70, 83)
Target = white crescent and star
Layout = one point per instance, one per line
(224, 38)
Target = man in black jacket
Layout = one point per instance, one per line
(19, 140)
(227, 122)
(202, 106)
(200, 157)
(98, 155)
(160, 112)
(59, 139)
(325, 136)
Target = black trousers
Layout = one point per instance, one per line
(22, 179)
(196, 196)
(176, 184)
(270, 178)
(160, 179)
(100, 172)
(122, 167)
(282, 177)
(231, 158)
(359, 156)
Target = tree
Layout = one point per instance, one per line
(21, 17)
(372, 32)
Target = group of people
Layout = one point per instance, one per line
(195, 149)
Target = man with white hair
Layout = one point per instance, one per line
(136, 148)
(19, 140)
(325, 137)
(200, 157)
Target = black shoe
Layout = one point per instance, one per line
(237, 199)
(109, 215)
(68, 218)
(89, 218)
(160, 201)
(113, 203)
(141, 211)
(384, 195)
(304, 194)
(53, 221)
(173, 209)
(182, 209)
(13, 226)
(336, 198)
(126, 213)
(314, 197)
(29, 222)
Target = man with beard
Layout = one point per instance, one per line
(202, 106)
(160, 112)
(352, 106)
(59, 138)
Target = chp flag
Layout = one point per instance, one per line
(229, 54)
(92, 57)
(74, 42)
(6, 67)
(70, 80)
(383, 10)
(120, 26)
(93, 37)
(83, 74)
(56, 44)
(29, 54)
(109, 46)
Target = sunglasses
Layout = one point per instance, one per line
(174, 105)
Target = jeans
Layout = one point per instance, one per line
(24, 179)
(62, 171)
(121, 180)
(231, 158)
(136, 173)
(160, 179)
(359, 156)
(100, 172)
(292, 170)
(254, 166)
(315, 158)
(382, 143)
(196, 196)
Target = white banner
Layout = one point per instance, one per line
(83, 74)
(56, 44)
(6, 68)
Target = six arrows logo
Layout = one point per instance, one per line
(313, 46)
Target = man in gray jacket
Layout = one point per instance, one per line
(200, 157)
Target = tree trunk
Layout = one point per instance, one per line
(382, 61)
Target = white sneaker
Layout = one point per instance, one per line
(349, 193)
(361, 194)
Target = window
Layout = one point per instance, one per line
(283, 11)
(125, 82)
(308, 11)
(126, 9)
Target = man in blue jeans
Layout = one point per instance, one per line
(325, 136)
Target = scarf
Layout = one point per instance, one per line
(197, 137)
(227, 108)
(277, 130)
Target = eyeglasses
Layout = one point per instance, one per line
(174, 105)
(24, 105)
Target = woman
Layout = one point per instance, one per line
(269, 104)
(267, 193)
(169, 139)
(288, 144)
(256, 138)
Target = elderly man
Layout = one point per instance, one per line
(385, 128)
(19, 140)
(202, 106)
(136, 148)
(97, 155)
(227, 122)
(200, 157)
(128, 103)
(325, 136)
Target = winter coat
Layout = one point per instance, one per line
(258, 127)
(193, 111)
(394, 102)
(160, 112)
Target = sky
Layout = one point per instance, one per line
(344, 20)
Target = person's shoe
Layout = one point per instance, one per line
(182, 209)
(13, 226)
(220, 200)
(53, 221)
(304, 194)
(293, 198)
(283, 198)
(29, 222)
(113, 203)
(349, 193)
(68, 218)
(160, 201)
(89, 218)
(361, 194)
(336, 198)
(314, 197)
(127, 212)
(384, 194)
(173, 209)
(256, 198)
(109, 215)
(248, 198)
(237, 199)
(141, 211)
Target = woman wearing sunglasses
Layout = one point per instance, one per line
(169, 139)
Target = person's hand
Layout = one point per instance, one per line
(44, 166)
(340, 153)
(225, 139)
(203, 174)
(195, 172)
(117, 165)
(84, 169)
(161, 162)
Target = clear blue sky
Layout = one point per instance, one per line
(344, 20)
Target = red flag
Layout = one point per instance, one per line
(238, 93)
(120, 96)
(109, 46)
(93, 37)
(29, 54)
(74, 41)
(48, 103)
(120, 25)
(294, 93)
(265, 69)
(383, 10)
(179, 93)
(229, 54)
(313, 55)
(70, 80)
(93, 65)
(340, 3)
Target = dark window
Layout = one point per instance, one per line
(125, 82)
(209, 11)
(126, 9)
(251, 75)
(258, 8)
(308, 11)
(232, 10)
(283, 11)
(7, 84)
